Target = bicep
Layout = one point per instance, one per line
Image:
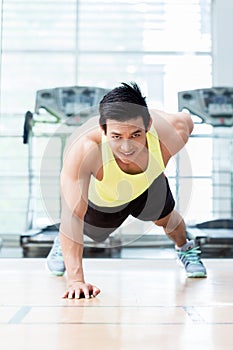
(74, 194)
(74, 183)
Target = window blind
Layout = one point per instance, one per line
(57, 42)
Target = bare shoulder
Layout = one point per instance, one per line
(180, 122)
(83, 148)
(173, 131)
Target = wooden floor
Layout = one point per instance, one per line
(144, 304)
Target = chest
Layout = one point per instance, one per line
(136, 166)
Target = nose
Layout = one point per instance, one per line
(126, 146)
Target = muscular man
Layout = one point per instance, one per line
(113, 167)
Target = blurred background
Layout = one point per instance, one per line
(50, 48)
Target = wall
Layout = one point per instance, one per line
(222, 29)
(222, 42)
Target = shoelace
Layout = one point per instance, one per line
(57, 251)
(192, 255)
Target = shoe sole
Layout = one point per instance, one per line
(196, 274)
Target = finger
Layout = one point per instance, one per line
(65, 295)
(71, 294)
(86, 292)
(78, 294)
(95, 291)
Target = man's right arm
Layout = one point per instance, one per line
(173, 131)
(75, 177)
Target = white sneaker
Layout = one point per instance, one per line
(189, 257)
(54, 261)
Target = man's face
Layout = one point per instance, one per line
(127, 139)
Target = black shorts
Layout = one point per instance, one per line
(153, 204)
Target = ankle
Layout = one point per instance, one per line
(181, 244)
(186, 246)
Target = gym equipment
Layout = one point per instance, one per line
(215, 237)
(64, 105)
(57, 113)
(214, 106)
(72, 104)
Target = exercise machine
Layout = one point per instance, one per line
(57, 113)
(214, 106)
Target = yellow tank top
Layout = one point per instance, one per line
(117, 187)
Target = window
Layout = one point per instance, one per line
(165, 46)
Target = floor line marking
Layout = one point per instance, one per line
(194, 314)
(19, 315)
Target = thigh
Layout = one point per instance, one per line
(157, 201)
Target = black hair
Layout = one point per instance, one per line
(123, 103)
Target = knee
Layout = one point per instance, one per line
(170, 222)
(163, 221)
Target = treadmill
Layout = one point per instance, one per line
(214, 106)
(58, 111)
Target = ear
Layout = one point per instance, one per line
(150, 123)
(103, 128)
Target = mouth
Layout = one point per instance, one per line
(127, 154)
(126, 157)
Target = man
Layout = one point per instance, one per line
(113, 167)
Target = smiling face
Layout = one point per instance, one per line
(127, 139)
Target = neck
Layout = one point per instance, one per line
(137, 167)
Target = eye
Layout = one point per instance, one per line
(137, 134)
(116, 137)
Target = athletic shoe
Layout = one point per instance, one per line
(54, 261)
(189, 257)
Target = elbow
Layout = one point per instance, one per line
(70, 212)
(188, 122)
(80, 211)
